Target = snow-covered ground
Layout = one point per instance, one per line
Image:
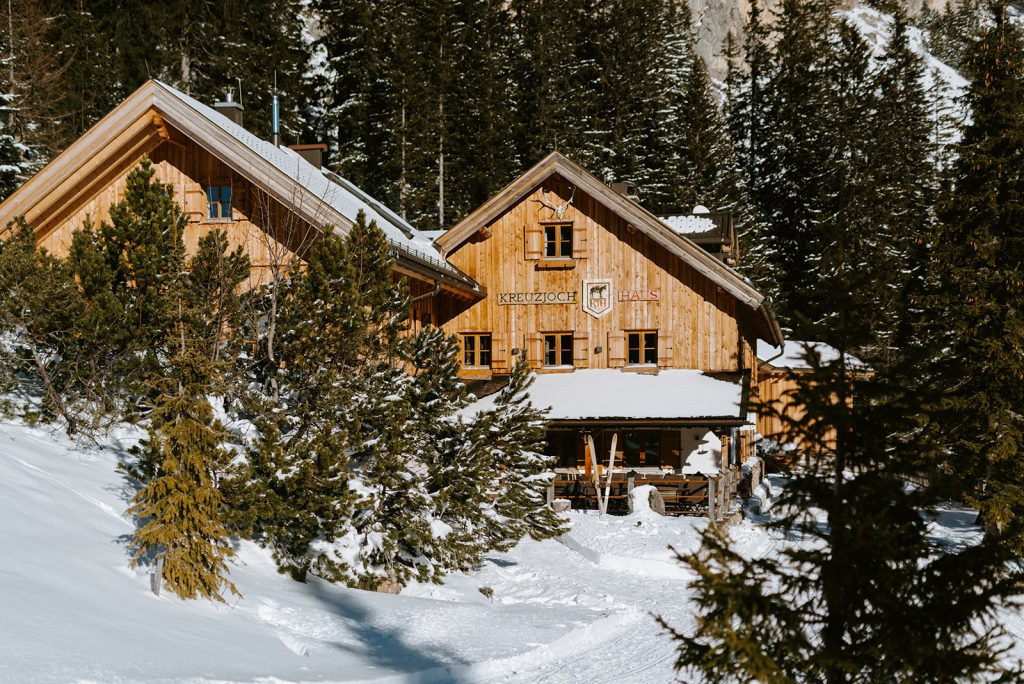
(577, 609)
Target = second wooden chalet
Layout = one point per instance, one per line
(271, 199)
(637, 333)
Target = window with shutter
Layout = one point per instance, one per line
(616, 350)
(664, 351)
(642, 348)
(499, 352)
(579, 242)
(534, 238)
(558, 350)
(476, 350)
(535, 351)
(581, 355)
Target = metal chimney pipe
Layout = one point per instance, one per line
(275, 114)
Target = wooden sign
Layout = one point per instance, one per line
(597, 296)
(511, 298)
(639, 295)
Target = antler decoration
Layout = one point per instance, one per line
(558, 209)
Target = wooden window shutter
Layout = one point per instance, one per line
(616, 350)
(535, 351)
(534, 242)
(664, 350)
(581, 350)
(579, 241)
(499, 352)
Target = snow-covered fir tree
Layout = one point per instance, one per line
(516, 440)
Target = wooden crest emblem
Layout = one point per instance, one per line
(597, 296)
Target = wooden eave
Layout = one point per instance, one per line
(153, 114)
(681, 247)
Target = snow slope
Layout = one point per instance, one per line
(576, 609)
(70, 609)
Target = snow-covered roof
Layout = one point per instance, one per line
(792, 353)
(688, 224)
(611, 393)
(333, 190)
(317, 196)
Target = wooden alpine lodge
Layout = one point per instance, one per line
(642, 335)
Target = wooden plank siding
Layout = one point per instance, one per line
(188, 168)
(267, 231)
(696, 317)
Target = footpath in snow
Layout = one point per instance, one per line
(575, 609)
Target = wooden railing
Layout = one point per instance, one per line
(682, 494)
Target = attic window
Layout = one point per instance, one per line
(218, 202)
(558, 242)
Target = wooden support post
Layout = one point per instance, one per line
(630, 483)
(156, 580)
(551, 492)
(711, 499)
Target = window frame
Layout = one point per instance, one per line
(563, 348)
(214, 197)
(563, 239)
(478, 351)
(647, 355)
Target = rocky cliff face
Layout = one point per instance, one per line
(716, 18)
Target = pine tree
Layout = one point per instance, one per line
(453, 451)
(866, 597)
(293, 489)
(618, 131)
(952, 34)
(555, 76)
(180, 509)
(977, 263)
(143, 247)
(903, 157)
(517, 431)
(39, 309)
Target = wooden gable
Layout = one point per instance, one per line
(697, 321)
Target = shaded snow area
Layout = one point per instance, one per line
(571, 610)
(612, 393)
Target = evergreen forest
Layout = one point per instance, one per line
(878, 205)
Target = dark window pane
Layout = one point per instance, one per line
(631, 449)
(225, 201)
(566, 242)
(550, 241)
(651, 348)
(566, 350)
(633, 349)
(211, 202)
(485, 350)
(652, 449)
(550, 356)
